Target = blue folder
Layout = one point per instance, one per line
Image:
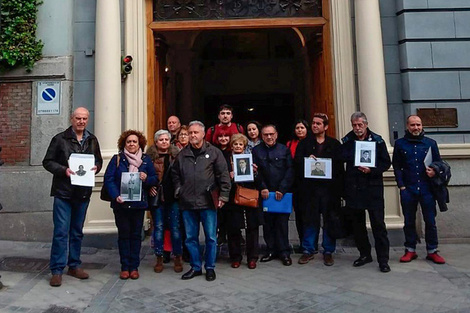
(271, 205)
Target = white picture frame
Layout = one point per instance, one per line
(81, 165)
(131, 186)
(243, 168)
(318, 168)
(365, 153)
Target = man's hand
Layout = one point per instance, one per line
(311, 156)
(143, 176)
(279, 195)
(402, 188)
(364, 169)
(119, 200)
(94, 168)
(430, 172)
(255, 168)
(220, 204)
(69, 172)
(265, 194)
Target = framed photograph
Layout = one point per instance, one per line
(82, 164)
(365, 153)
(131, 186)
(243, 167)
(319, 168)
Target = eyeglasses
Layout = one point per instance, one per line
(183, 135)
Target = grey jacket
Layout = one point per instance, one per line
(193, 175)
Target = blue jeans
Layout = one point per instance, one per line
(310, 241)
(409, 204)
(191, 219)
(68, 217)
(167, 214)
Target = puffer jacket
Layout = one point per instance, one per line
(193, 175)
(112, 180)
(56, 161)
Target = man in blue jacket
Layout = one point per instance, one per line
(413, 180)
(275, 170)
(70, 201)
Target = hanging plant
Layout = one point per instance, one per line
(18, 43)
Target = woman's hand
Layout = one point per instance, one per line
(255, 168)
(143, 176)
(232, 174)
(265, 194)
(119, 199)
(153, 191)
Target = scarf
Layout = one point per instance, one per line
(135, 160)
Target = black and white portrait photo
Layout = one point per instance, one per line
(365, 153)
(131, 186)
(319, 168)
(242, 168)
(81, 171)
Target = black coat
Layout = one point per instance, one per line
(242, 217)
(304, 186)
(364, 191)
(56, 161)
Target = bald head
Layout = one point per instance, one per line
(414, 125)
(173, 124)
(79, 120)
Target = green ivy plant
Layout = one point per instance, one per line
(18, 43)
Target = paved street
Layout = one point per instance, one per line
(419, 286)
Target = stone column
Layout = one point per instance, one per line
(343, 64)
(370, 66)
(108, 76)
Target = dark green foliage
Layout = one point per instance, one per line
(18, 43)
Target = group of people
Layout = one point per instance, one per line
(187, 178)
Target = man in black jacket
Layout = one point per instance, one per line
(364, 190)
(70, 201)
(317, 197)
(198, 168)
(275, 173)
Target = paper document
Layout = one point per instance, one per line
(82, 164)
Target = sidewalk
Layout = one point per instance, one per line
(419, 286)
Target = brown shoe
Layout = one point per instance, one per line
(124, 275)
(178, 266)
(134, 274)
(305, 258)
(158, 268)
(78, 273)
(328, 259)
(56, 280)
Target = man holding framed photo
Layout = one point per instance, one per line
(318, 196)
(364, 190)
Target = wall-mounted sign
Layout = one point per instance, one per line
(48, 98)
(438, 117)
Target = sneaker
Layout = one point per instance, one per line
(305, 258)
(436, 258)
(408, 256)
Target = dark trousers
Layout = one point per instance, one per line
(235, 243)
(276, 233)
(129, 223)
(299, 222)
(379, 230)
(409, 205)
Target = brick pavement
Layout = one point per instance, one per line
(419, 286)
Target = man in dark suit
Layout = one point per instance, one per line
(242, 167)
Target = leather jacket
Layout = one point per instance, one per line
(56, 161)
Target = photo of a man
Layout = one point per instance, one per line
(81, 171)
(317, 169)
(242, 167)
(365, 156)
